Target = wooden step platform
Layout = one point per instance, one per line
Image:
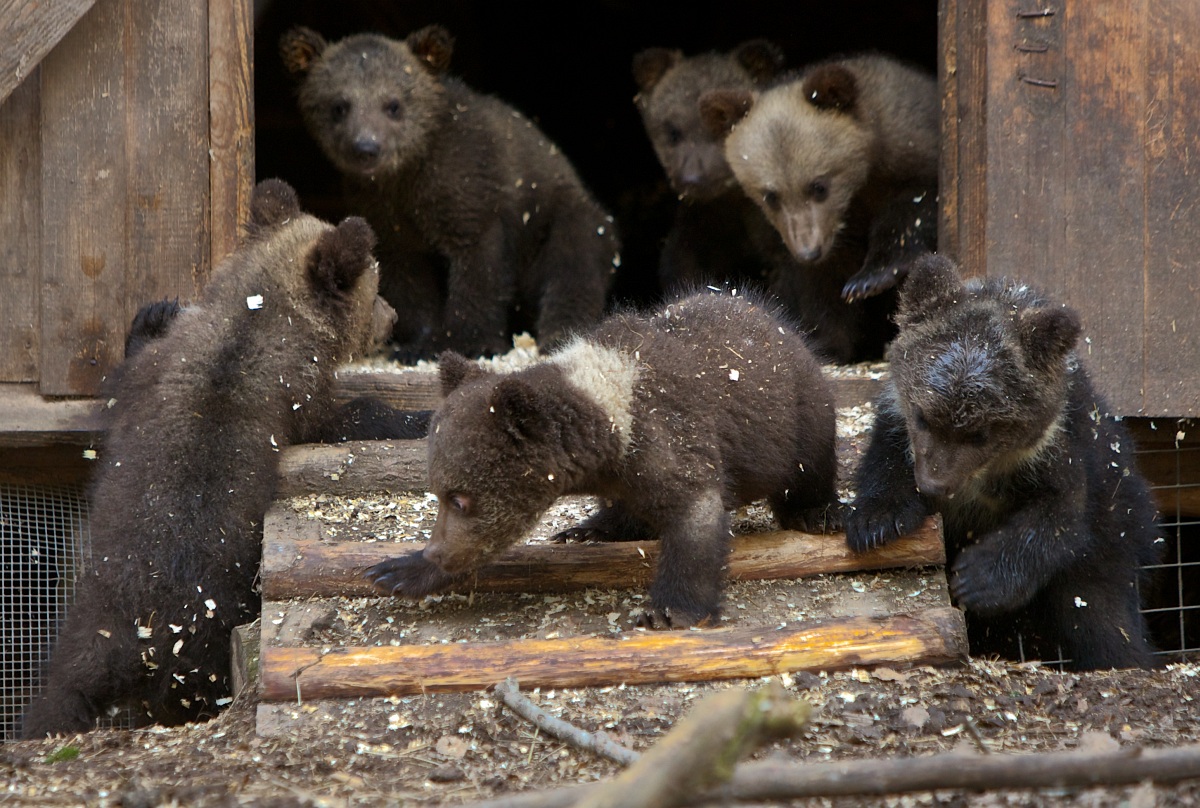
(560, 615)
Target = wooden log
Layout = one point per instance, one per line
(298, 563)
(933, 636)
(703, 748)
(782, 782)
(404, 390)
(245, 644)
(352, 468)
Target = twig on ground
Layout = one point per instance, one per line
(595, 742)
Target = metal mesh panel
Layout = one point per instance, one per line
(1174, 606)
(43, 536)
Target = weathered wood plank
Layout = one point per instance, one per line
(1172, 224)
(962, 69)
(1103, 270)
(20, 229)
(934, 636)
(26, 419)
(166, 206)
(231, 121)
(29, 30)
(299, 562)
(84, 171)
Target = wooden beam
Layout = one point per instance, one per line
(298, 563)
(934, 636)
(29, 30)
(352, 468)
(230, 123)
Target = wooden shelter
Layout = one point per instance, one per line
(126, 161)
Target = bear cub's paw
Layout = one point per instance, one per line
(409, 576)
(982, 582)
(874, 524)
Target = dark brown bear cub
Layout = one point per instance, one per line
(198, 414)
(674, 418)
(718, 235)
(485, 229)
(990, 419)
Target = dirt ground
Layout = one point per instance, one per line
(451, 749)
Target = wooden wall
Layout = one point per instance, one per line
(126, 162)
(1073, 163)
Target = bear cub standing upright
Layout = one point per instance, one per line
(485, 228)
(843, 161)
(674, 419)
(197, 416)
(719, 235)
(989, 418)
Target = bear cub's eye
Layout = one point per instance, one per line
(771, 199)
(393, 109)
(460, 502)
(339, 110)
(674, 134)
(818, 189)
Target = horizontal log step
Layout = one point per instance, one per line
(932, 636)
(420, 390)
(299, 562)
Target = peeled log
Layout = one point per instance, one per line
(298, 563)
(933, 636)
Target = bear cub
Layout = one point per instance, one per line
(197, 416)
(842, 159)
(672, 419)
(485, 228)
(718, 235)
(990, 419)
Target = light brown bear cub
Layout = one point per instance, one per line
(718, 235)
(197, 416)
(843, 160)
(485, 228)
(675, 419)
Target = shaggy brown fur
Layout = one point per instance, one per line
(718, 235)
(196, 421)
(843, 161)
(485, 228)
(674, 418)
(990, 419)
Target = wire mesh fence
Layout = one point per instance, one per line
(43, 541)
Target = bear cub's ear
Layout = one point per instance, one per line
(340, 257)
(522, 410)
(300, 48)
(1048, 334)
(272, 203)
(831, 87)
(932, 284)
(455, 370)
(650, 65)
(433, 45)
(720, 110)
(762, 59)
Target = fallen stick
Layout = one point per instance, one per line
(595, 742)
(766, 781)
(703, 748)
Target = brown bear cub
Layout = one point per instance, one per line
(485, 228)
(719, 235)
(990, 419)
(843, 161)
(197, 417)
(673, 419)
